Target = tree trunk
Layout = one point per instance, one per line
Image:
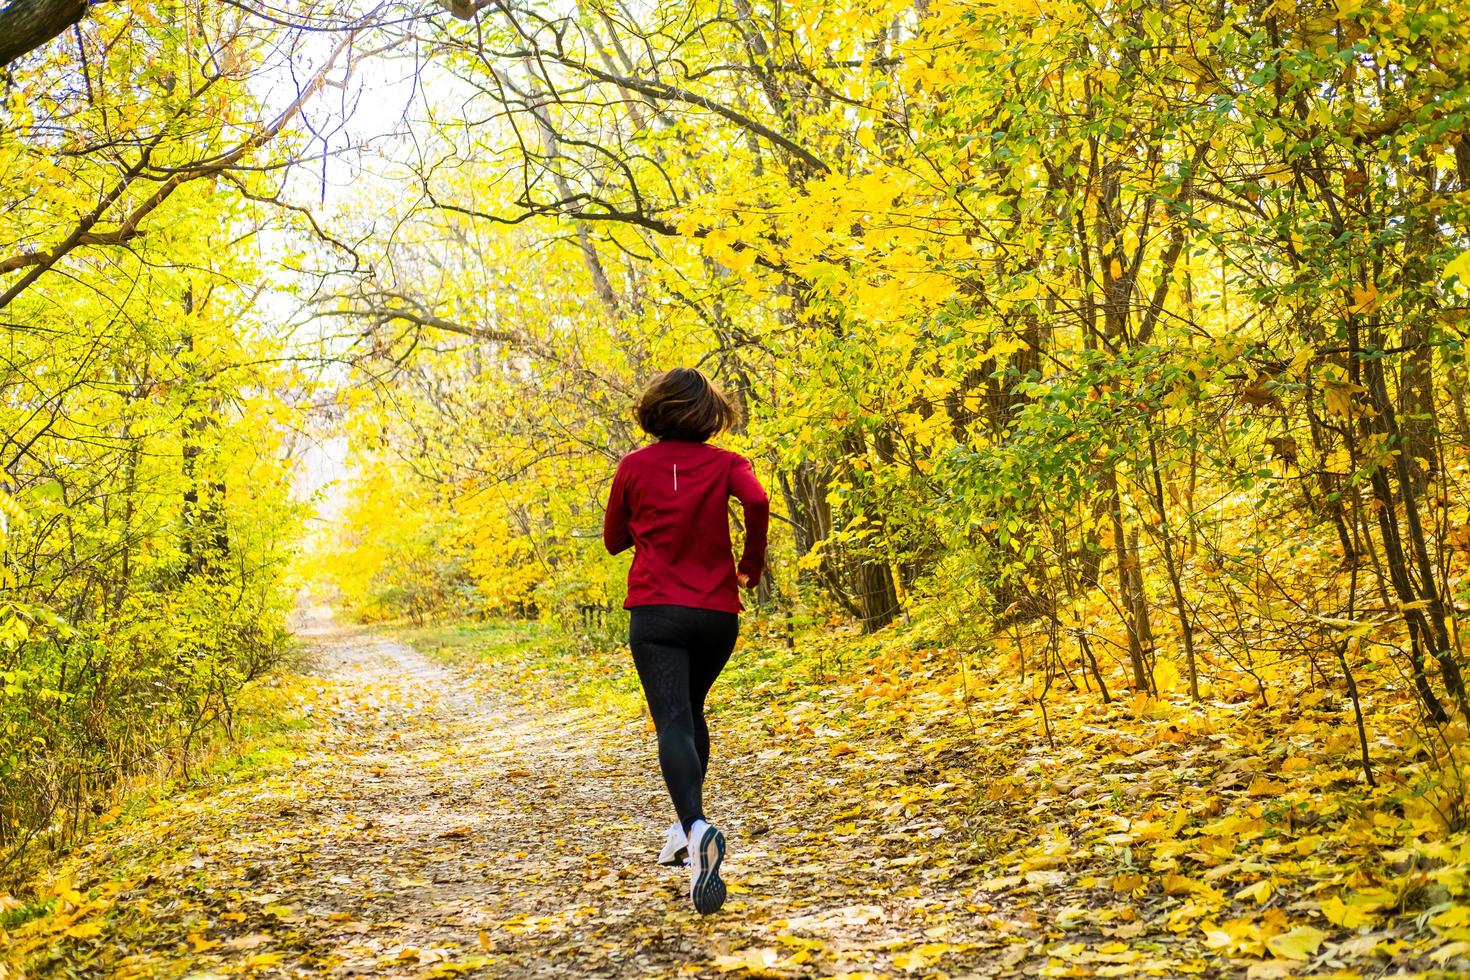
(26, 25)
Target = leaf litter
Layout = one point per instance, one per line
(474, 820)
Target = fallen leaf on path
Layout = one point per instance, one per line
(1300, 943)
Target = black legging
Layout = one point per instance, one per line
(679, 651)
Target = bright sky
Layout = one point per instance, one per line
(362, 127)
(357, 126)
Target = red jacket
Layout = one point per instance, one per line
(669, 504)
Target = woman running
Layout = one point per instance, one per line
(669, 504)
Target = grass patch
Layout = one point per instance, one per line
(261, 757)
(19, 915)
(480, 639)
(535, 661)
(538, 661)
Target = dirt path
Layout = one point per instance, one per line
(432, 825)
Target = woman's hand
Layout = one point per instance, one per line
(744, 580)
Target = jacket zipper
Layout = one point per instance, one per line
(676, 477)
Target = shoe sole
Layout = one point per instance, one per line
(679, 860)
(708, 891)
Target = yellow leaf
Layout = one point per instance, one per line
(1459, 266)
(999, 884)
(470, 964)
(1349, 914)
(1235, 936)
(749, 961)
(1260, 891)
(1129, 883)
(1167, 676)
(1451, 918)
(909, 961)
(1338, 398)
(1270, 970)
(85, 930)
(1115, 269)
(1176, 884)
(1300, 943)
(1261, 786)
(1365, 298)
(1450, 950)
(1044, 862)
(1301, 359)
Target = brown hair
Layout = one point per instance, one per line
(682, 404)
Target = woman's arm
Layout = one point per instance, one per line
(757, 506)
(615, 534)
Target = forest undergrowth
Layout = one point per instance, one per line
(1298, 816)
(1144, 835)
(1141, 836)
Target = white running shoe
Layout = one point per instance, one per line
(676, 847)
(706, 851)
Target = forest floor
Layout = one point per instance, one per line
(473, 813)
